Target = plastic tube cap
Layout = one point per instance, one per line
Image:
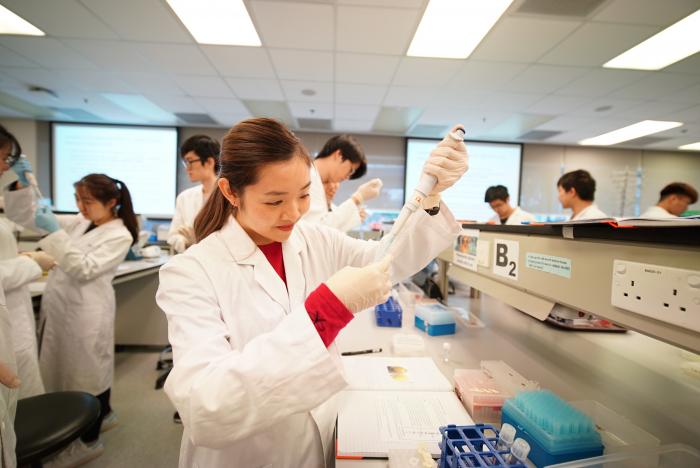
(520, 449)
(507, 434)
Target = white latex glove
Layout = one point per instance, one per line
(360, 288)
(363, 214)
(179, 243)
(367, 191)
(8, 378)
(447, 162)
(188, 233)
(45, 261)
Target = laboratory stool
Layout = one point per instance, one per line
(45, 424)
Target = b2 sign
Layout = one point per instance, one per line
(506, 258)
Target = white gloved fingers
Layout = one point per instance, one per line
(179, 244)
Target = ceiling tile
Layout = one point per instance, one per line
(689, 65)
(509, 102)
(689, 114)
(518, 39)
(544, 78)
(240, 62)
(311, 110)
(689, 95)
(484, 75)
(362, 29)
(650, 12)
(359, 94)
(415, 71)
(365, 68)
(294, 91)
(356, 112)
(151, 83)
(140, 20)
(302, 65)
(222, 106)
(47, 52)
(601, 82)
(177, 103)
(657, 85)
(61, 18)
(229, 119)
(256, 89)
(9, 58)
(112, 55)
(408, 96)
(350, 126)
(616, 106)
(566, 123)
(294, 25)
(385, 3)
(555, 105)
(95, 81)
(204, 86)
(593, 44)
(654, 110)
(177, 58)
(39, 77)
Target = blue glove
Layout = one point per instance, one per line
(21, 167)
(45, 219)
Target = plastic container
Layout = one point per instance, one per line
(388, 314)
(405, 344)
(466, 319)
(464, 446)
(666, 456)
(481, 395)
(556, 431)
(435, 319)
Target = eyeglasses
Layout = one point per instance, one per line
(188, 162)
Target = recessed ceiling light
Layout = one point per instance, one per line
(10, 23)
(453, 28)
(640, 129)
(220, 22)
(674, 43)
(690, 147)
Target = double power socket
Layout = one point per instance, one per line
(668, 294)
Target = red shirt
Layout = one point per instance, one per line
(328, 314)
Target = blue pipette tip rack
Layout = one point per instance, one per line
(468, 446)
(388, 314)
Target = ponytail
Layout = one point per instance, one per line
(213, 215)
(125, 211)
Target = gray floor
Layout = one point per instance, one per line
(146, 435)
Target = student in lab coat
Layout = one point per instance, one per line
(16, 272)
(499, 200)
(577, 191)
(9, 382)
(254, 307)
(78, 306)
(340, 159)
(200, 156)
(673, 201)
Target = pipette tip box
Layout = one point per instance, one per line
(435, 319)
(465, 446)
(388, 314)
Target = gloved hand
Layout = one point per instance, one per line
(45, 261)
(447, 162)
(178, 243)
(363, 214)
(45, 219)
(21, 167)
(367, 191)
(188, 233)
(8, 378)
(360, 288)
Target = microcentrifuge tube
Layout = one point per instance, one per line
(446, 351)
(505, 437)
(518, 452)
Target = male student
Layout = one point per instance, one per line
(499, 200)
(200, 156)
(340, 159)
(673, 201)
(576, 191)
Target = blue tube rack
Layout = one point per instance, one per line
(470, 446)
(388, 314)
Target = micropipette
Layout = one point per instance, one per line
(11, 160)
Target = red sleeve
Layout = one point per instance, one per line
(328, 314)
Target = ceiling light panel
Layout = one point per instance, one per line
(221, 22)
(11, 23)
(453, 28)
(640, 129)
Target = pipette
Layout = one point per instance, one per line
(11, 160)
(425, 186)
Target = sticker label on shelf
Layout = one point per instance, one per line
(465, 249)
(552, 264)
(506, 259)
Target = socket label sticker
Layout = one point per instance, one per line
(559, 266)
(506, 258)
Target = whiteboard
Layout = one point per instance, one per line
(144, 158)
(489, 164)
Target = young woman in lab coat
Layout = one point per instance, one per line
(254, 307)
(78, 305)
(9, 382)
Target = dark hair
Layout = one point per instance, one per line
(580, 180)
(496, 192)
(204, 147)
(679, 188)
(350, 149)
(105, 189)
(246, 148)
(8, 138)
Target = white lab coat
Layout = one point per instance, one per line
(590, 212)
(16, 272)
(187, 206)
(656, 212)
(516, 217)
(344, 217)
(8, 397)
(77, 308)
(252, 380)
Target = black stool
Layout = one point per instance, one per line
(48, 423)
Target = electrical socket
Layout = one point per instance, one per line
(668, 294)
